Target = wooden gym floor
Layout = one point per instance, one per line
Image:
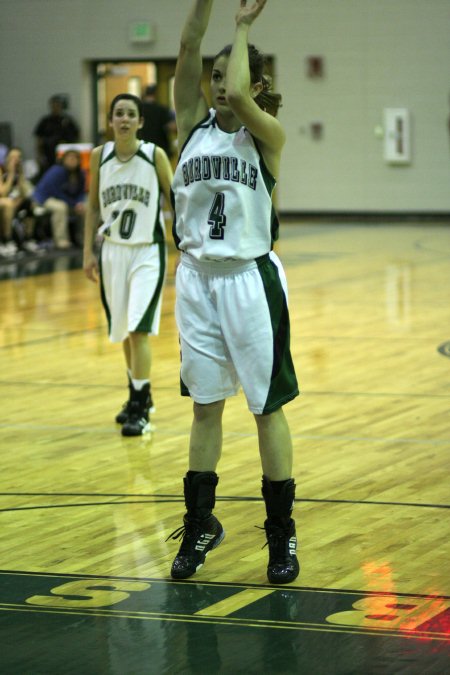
(85, 513)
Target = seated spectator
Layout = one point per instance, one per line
(53, 129)
(62, 191)
(15, 193)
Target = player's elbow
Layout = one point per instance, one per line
(236, 100)
(234, 96)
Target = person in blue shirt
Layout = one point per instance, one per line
(62, 192)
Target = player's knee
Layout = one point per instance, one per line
(208, 411)
(137, 336)
(267, 419)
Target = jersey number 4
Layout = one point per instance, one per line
(217, 218)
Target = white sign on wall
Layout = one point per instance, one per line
(397, 136)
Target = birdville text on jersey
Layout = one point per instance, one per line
(125, 191)
(227, 168)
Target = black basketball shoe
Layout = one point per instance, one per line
(138, 421)
(199, 538)
(122, 416)
(283, 565)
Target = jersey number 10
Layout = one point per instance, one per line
(127, 222)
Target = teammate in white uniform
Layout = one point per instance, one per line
(126, 180)
(231, 306)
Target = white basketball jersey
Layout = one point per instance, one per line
(222, 196)
(129, 196)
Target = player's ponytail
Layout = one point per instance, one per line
(267, 99)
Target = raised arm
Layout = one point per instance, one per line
(241, 92)
(190, 104)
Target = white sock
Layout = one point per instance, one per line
(139, 384)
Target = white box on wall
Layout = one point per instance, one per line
(397, 136)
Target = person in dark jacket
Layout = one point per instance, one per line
(52, 129)
(159, 121)
(62, 192)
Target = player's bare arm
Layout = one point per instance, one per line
(241, 92)
(165, 174)
(92, 218)
(190, 104)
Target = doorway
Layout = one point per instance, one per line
(116, 77)
(113, 77)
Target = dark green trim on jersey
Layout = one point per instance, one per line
(111, 155)
(138, 153)
(102, 292)
(268, 178)
(142, 155)
(283, 386)
(269, 182)
(274, 225)
(184, 391)
(175, 236)
(146, 322)
(202, 123)
(158, 232)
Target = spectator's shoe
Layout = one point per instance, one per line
(30, 246)
(63, 245)
(283, 565)
(9, 249)
(199, 537)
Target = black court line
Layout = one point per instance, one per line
(420, 246)
(168, 430)
(375, 394)
(69, 385)
(167, 499)
(305, 392)
(83, 504)
(50, 338)
(328, 338)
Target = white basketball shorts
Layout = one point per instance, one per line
(233, 323)
(132, 279)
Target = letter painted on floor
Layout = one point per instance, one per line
(88, 593)
(394, 612)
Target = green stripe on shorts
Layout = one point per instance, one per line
(102, 294)
(146, 322)
(283, 386)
